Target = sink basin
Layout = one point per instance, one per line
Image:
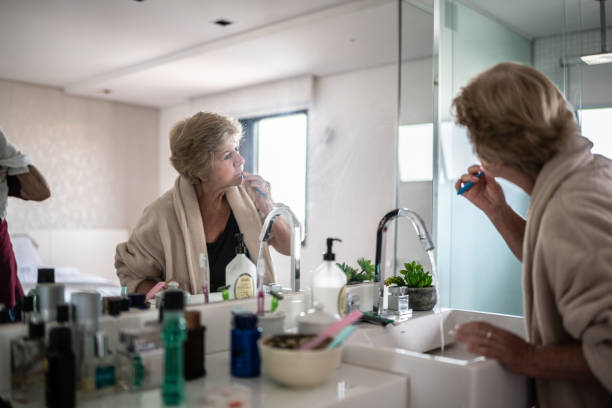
(453, 378)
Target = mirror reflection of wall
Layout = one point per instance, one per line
(477, 270)
(96, 119)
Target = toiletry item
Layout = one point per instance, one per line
(46, 275)
(204, 273)
(272, 324)
(315, 321)
(88, 312)
(114, 310)
(27, 308)
(104, 365)
(328, 280)
(137, 300)
(245, 360)
(173, 333)
(398, 301)
(376, 319)
(240, 273)
(332, 330)
(5, 316)
(49, 295)
(28, 363)
(125, 304)
(194, 346)
(60, 390)
(62, 320)
(469, 184)
(140, 358)
(340, 337)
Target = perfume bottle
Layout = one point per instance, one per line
(60, 391)
(28, 363)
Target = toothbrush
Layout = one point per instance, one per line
(332, 330)
(275, 298)
(261, 193)
(260, 302)
(347, 331)
(205, 291)
(469, 184)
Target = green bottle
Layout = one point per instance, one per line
(174, 334)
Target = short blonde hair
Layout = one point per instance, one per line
(514, 114)
(194, 141)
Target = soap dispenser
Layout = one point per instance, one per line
(328, 280)
(240, 273)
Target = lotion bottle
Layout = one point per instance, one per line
(328, 280)
(240, 273)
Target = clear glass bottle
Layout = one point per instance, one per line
(174, 334)
(28, 363)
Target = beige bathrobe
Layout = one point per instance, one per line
(168, 241)
(567, 269)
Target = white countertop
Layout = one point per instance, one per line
(349, 386)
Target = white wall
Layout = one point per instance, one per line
(351, 177)
(99, 158)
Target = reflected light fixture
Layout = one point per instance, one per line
(604, 57)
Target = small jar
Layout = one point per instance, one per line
(315, 321)
(245, 360)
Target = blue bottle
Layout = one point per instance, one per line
(245, 354)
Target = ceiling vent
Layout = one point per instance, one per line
(223, 22)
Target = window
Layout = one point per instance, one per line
(594, 124)
(415, 151)
(275, 147)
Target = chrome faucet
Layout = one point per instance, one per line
(379, 275)
(296, 241)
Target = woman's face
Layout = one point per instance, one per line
(227, 166)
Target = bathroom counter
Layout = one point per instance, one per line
(349, 386)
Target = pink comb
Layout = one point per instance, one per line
(332, 330)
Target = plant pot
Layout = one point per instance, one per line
(422, 299)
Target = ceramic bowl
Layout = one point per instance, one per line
(297, 368)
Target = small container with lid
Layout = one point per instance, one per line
(245, 360)
(173, 333)
(27, 363)
(194, 346)
(315, 321)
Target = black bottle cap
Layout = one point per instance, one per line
(60, 339)
(329, 255)
(28, 304)
(114, 307)
(5, 317)
(137, 299)
(36, 330)
(46, 275)
(174, 300)
(125, 304)
(245, 321)
(63, 313)
(240, 248)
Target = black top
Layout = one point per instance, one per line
(221, 252)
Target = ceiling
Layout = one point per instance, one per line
(157, 53)
(543, 18)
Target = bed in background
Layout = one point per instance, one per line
(29, 259)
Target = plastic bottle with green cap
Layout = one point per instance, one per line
(174, 334)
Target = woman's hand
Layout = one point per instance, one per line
(514, 353)
(485, 193)
(259, 191)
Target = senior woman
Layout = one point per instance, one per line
(523, 130)
(195, 222)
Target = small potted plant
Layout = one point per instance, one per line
(361, 275)
(420, 290)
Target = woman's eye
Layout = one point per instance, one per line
(229, 156)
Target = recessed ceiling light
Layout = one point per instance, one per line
(223, 22)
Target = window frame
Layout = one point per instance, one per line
(250, 153)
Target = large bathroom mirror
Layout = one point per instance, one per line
(90, 91)
(477, 271)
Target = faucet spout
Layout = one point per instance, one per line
(296, 239)
(421, 231)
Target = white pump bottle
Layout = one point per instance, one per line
(328, 280)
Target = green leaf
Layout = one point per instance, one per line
(367, 268)
(415, 276)
(395, 280)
